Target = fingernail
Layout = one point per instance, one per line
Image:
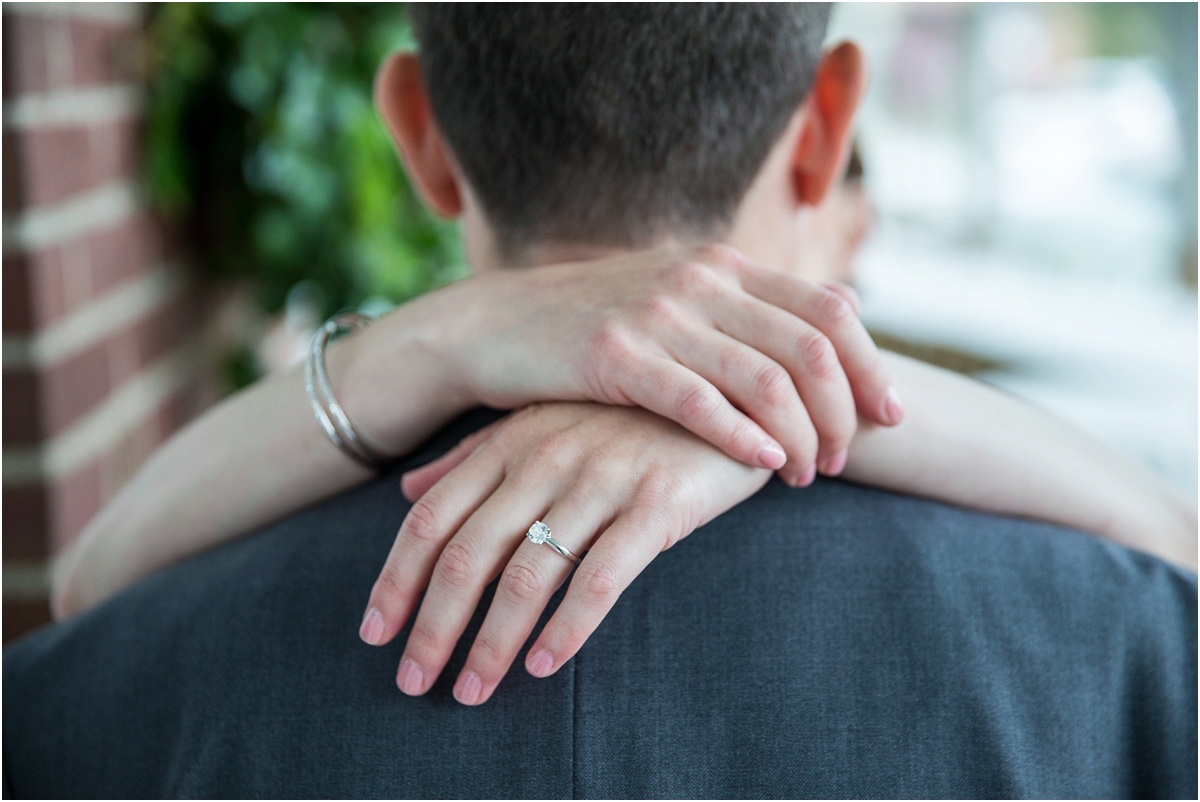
(372, 627)
(467, 688)
(541, 664)
(410, 678)
(893, 409)
(834, 465)
(808, 477)
(772, 457)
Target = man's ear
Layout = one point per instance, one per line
(403, 103)
(824, 137)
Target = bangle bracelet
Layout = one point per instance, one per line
(325, 406)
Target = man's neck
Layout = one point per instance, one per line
(486, 258)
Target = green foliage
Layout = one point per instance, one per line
(262, 141)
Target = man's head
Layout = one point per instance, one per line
(614, 125)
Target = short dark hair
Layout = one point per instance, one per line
(614, 123)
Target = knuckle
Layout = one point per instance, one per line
(819, 357)
(424, 638)
(691, 278)
(389, 585)
(550, 448)
(660, 489)
(833, 307)
(696, 404)
(773, 386)
(610, 344)
(547, 457)
(599, 583)
(486, 652)
(522, 583)
(660, 309)
(456, 566)
(423, 522)
(570, 635)
(723, 254)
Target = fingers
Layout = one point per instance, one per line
(528, 581)
(472, 558)
(616, 558)
(766, 391)
(435, 516)
(414, 483)
(664, 386)
(812, 365)
(847, 292)
(834, 316)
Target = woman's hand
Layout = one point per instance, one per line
(621, 484)
(765, 366)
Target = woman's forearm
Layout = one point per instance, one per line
(258, 456)
(968, 444)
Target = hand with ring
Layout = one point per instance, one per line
(773, 370)
(611, 485)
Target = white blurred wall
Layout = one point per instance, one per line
(1036, 199)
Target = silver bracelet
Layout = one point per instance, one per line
(325, 406)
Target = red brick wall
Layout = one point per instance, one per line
(102, 355)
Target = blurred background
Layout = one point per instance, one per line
(190, 189)
(1033, 170)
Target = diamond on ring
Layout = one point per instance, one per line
(538, 533)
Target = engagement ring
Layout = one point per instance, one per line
(539, 533)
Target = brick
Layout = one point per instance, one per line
(22, 420)
(73, 500)
(62, 161)
(18, 314)
(105, 52)
(56, 163)
(123, 252)
(14, 196)
(68, 390)
(143, 343)
(22, 616)
(65, 277)
(26, 60)
(47, 300)
(40, 520)
(73, 387)
(25, 529)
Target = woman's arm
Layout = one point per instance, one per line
(782, 368)
(964, 443)
(627, 485)
(254, 458)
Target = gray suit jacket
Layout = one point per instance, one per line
(835, 641)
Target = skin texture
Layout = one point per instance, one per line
(783, 367)
(771, 227)
(640, 480)
(624, 486)
(584, 471)
(408, 373)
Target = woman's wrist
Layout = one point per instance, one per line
(396, 380)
